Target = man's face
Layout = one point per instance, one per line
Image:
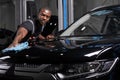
(44, 16)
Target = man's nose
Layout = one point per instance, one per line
(45, 17)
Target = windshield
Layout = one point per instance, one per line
(102, 22)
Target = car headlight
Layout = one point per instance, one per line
(83, 70)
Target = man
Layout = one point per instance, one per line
(37, 26)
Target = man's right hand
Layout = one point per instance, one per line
(41, 37)
(13, 44)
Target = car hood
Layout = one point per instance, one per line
(70, 49)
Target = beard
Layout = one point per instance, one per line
(43, 21)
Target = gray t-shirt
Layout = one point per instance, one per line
(34, 28)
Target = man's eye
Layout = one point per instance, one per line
(45, 15)
(41, 14)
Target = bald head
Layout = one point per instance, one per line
(45, 9)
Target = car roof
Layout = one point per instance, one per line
(111, 7)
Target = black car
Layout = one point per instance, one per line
(87, 50)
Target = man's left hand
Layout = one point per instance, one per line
(50, 36)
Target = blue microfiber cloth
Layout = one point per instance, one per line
(19, 47)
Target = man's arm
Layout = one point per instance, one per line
(41, 37)
(50, 36)
(21, 33)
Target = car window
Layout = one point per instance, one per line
(113, 26)
(99, 22)
(93, 26)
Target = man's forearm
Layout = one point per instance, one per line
(22, 32)
(16, 40)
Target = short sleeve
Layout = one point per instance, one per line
(28, 25)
